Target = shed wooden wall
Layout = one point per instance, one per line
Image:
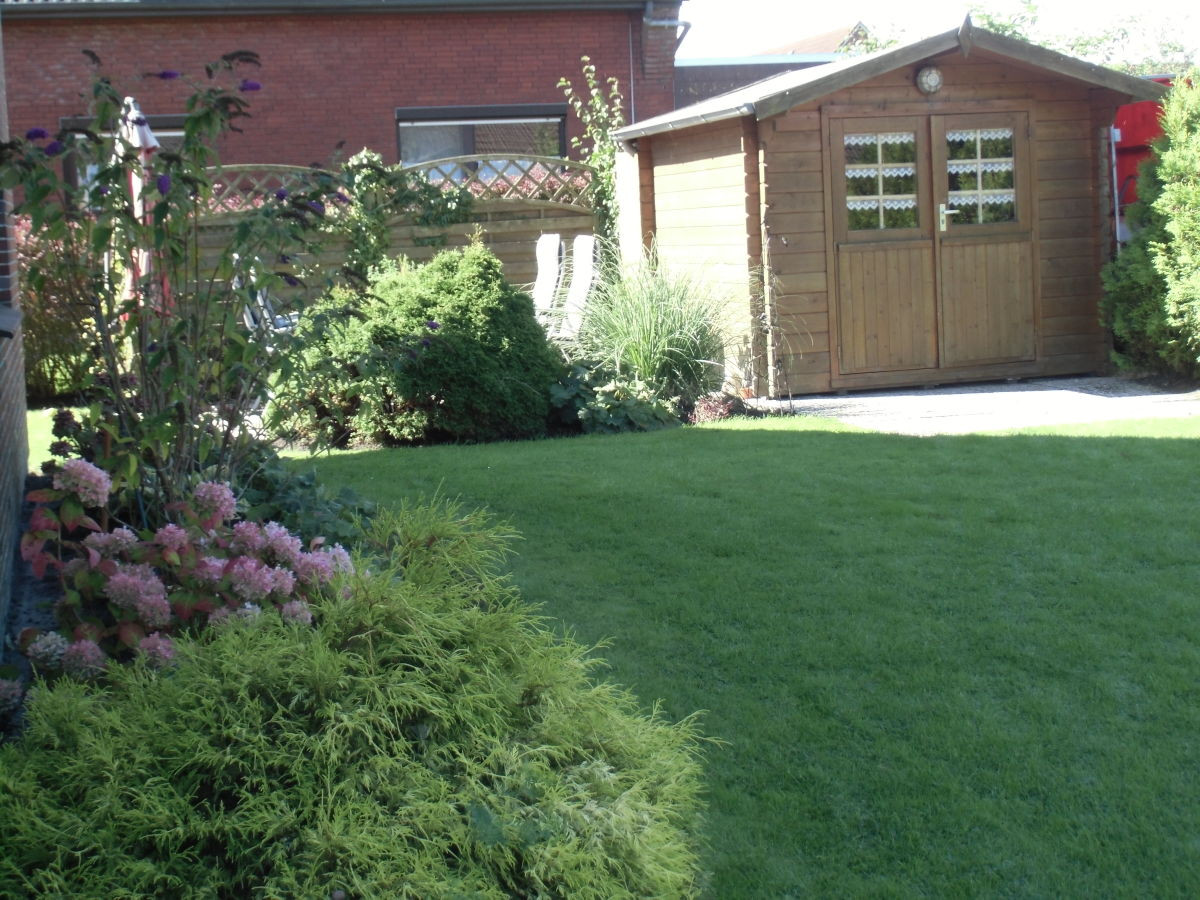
(706, 219)
(1069, 123)
(708, 181)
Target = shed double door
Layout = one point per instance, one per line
(933, 242)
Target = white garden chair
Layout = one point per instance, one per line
(583, 277)
(549, 254)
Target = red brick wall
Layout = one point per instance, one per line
(331, 78)
(13, 443)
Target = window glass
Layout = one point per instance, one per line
(422, 141)
(979, 173)
(881, 181)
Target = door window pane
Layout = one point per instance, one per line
(979, 175)
(881, 181)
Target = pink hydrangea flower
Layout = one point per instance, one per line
(46, 650)
(215, 499)
(84, 659)
(130, 586)
(155, 612)
(159, 649)
(111, 544)
(10, 696)
(91, 484)
(210, 568)
(220, 615)
(340, 558)
(248, 537)
(284, 581)
(314, 568)
(281, 543)
(73, 567)
(296, 612)
(171, 537)
(250, 578)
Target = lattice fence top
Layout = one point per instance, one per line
(546, 179)
(499, 176)
(238, 188)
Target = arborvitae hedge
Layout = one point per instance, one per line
(428, 738)
(1152, 289)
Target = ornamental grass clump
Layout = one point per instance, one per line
(428, 736)
(658, 326)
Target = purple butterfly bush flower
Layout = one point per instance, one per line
(164, 184)
(36, 134)
(432, 325)
(316, 206)
(248, 86)
(281, 194)
(54, 148)
(290, 280)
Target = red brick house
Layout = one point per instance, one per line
(412, 77)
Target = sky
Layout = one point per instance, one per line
(723, 28)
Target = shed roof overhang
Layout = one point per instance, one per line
(74, 9)
(779, 93)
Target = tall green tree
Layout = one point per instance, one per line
(1177, 259)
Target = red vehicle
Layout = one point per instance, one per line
(1135, 127)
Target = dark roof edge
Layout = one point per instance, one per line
(159, 8)
(742, 102)
(1137, 87)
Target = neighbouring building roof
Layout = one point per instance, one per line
(826, 42)
(91, 8)
(780, 93)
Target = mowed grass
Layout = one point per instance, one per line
(937, 666)
(943, 666)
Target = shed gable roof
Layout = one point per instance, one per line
(780, 93)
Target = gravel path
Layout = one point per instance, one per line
(997, 406)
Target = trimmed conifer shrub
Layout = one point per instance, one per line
(448, 351)
(427, 737)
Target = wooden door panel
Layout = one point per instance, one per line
(887, 308)
(987, 302)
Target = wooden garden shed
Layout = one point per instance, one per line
(931, 213)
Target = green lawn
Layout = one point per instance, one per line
(940, 666)
(39, 422)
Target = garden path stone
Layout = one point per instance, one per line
(997, 406)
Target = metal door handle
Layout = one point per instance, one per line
(942, 213)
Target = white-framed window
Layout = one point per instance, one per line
(881, 180)
(980, 165)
